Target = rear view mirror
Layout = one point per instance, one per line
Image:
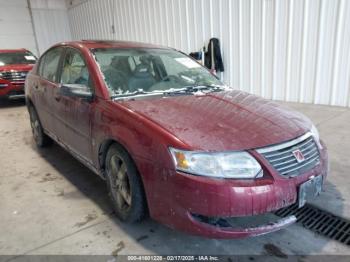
(76, 90)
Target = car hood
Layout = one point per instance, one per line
(17, 67)
(229, 120)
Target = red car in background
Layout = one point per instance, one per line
(14, 67)
(173, 141)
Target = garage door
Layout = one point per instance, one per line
(16, 26)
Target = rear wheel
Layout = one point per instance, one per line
(124, 185)
(40, 138)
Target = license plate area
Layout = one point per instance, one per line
(309, 190)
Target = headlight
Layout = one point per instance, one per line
(316, 135)
(219, 165)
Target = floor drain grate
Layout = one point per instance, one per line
(319, 221)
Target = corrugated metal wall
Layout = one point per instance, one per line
(292, 50)
(51, 27)
(50, 20)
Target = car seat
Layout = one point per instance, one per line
(84, 77)
(121, 63)
(142, 78)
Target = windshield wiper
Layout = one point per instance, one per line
(193, 89)
(197, 88)
(136, 93)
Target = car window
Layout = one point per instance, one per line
(132, 71)
(12, 58)
(49, 64)
(173, 65)
(135, 61)
(74, 69)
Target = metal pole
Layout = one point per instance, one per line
(33, 27)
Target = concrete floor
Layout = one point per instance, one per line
(52, 204)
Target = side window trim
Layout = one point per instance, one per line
(61, 64)
(41, 64)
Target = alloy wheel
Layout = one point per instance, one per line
(120, 183)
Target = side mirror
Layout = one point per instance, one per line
(76, 90)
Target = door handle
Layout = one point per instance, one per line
(57, 98)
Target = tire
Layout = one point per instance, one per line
(124, 185)
(40, 138)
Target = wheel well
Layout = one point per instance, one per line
(29, 102)
(29, 105)
(102, 156)
(102, 152)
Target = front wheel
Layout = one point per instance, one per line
(40, 138)
(124, 185)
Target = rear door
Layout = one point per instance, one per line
(45, 86)
(76, 112)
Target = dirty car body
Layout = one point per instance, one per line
(14, 67)
(206, 154)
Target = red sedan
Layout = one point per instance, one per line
(171, 140)
(14, 67)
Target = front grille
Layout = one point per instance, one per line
(282, 159)
(14, 76)
(16, 93)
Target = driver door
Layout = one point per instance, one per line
(76, 111)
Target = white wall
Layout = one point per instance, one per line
(48, 24)
(291, 50)
(51, 24)
(16, 30)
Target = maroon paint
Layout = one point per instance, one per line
(224, 121)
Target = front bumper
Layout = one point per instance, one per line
(226, 229)
(11, 90)
(223, 198)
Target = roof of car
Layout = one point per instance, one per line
(19, 50)
(112, 44)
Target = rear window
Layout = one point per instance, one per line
(12, 58)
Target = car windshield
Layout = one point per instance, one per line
(12, 58)
(130, 72)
